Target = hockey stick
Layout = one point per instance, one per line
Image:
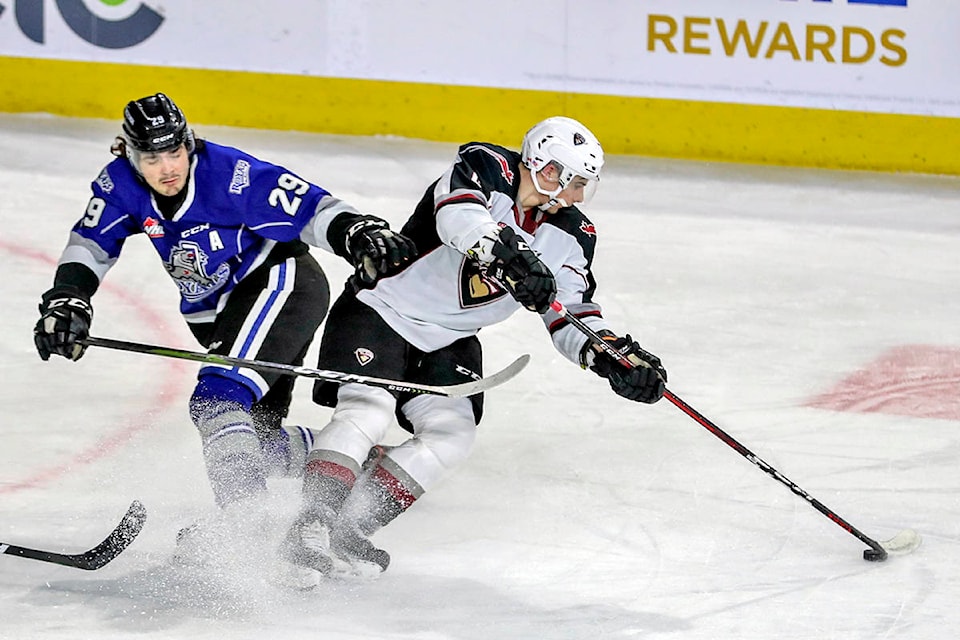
(904, 542)
(461, 390)
(118, 540)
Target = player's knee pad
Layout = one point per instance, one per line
(212, 389)
(444, 426)
(361, 420)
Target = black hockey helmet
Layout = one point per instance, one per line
(155, 123)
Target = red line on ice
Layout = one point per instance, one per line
(921, 381)
(137, 423)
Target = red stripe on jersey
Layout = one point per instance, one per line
(504, 164)
(460, 199)
(560, 323)
(529, 219)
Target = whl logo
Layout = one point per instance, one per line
(99, 31)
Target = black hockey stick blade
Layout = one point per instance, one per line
(114, 544)
(453, 391)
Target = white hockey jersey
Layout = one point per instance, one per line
(443, 295)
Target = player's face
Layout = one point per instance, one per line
(573, 193)
(166, 171)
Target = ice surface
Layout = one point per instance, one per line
(579, 515)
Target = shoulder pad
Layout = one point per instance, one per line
(492, 162)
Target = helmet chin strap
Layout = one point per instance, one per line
(554, 200)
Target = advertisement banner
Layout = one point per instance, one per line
(889, 56)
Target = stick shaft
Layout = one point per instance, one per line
(454, 390)
(723, 435)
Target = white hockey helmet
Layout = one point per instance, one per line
(568, 144)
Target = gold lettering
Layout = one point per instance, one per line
(886, 39)
(783, 41)
(741, 33)
(653, 35)
(689, 35)
(823, 46)
(819, 43)
(848, 55)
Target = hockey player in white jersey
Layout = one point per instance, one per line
(499, 230)
(232, 231)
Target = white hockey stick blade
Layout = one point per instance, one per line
(465, 389)
(903, 543)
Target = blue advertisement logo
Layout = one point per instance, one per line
(885, 3)
(892, 3)
(109, 34)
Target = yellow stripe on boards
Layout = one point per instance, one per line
(641, 126)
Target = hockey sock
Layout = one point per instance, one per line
(380, 497)
(231, 448)
(326, 484)
(232, 454)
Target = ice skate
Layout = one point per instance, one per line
(237, 530)
(307, 551)
(192, 546)
(353, 547)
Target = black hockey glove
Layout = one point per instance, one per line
(65, 316)
(644, 382)
(517, 267)
(375, 249)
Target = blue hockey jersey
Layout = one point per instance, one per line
(237, 208)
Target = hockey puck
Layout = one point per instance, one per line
(874, 555)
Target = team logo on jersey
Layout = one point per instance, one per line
(588, 228)
(364, 356)
(476, 289)
(241, 177)
(104, 181)
(151, 227)
(188, 268)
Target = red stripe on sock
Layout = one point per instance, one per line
(331, 470)
(394, 487)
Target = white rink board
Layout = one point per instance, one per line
(844, 54)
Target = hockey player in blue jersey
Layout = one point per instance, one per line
(497, 232)
(232, 231)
